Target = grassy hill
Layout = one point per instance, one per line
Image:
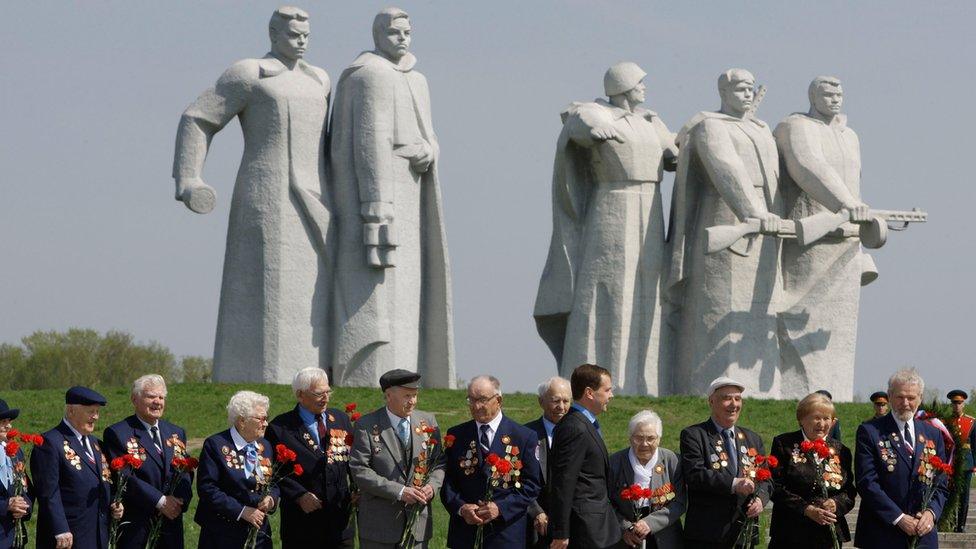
(200, 409)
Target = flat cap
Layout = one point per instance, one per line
(723, 381)
(6, 412)
(83, 396)
(879, 395)
(957, 394)
(400, 378)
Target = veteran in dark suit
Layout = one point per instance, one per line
(801, 514)
(715, 457)
(467, 471)
(386, 453)
(315, 507)
(579, 468)
(156, 442)
(646, 464)
(11, 507)
(72, 480)
(889, 453)
(234, 465)
(555, 397)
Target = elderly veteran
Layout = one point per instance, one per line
(555, 397)
(234, 465)
(315, 506)
(147, 436)
(72, 480)
(647, 464)
(801, 514)
(384, 461)
(11, 507)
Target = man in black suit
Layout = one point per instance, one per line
(555, 396)
(315, 506)
(580, 512)
(716, 456)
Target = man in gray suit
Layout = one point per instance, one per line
(387, 447)
(555, 397)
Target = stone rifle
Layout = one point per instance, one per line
(873, 232)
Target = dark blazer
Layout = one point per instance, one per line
(885, 495)
(7, 532)
(665, 522)
(715, 514)
(326, 475)
(463, 484)
(147, 483)
(72, 494)
(224, 492)
(795, 487)
(579, 474)
(537, 507)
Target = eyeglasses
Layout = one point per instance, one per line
(482, 401)
(261, 419)
(318, 395)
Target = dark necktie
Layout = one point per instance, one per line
(485, 444)
(320, 426)
(596, 425)
(908, 441)
(154, 431)
(727, 434)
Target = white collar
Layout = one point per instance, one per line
(239, 441)
(78, 435)
(493, 424)
(148, 426)
(901, 426)
(395, 419)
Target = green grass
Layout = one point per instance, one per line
(200, 409)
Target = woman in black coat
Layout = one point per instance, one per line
(801, 515)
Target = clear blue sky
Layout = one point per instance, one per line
(90, 235)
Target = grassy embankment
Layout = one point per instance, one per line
(200, 409)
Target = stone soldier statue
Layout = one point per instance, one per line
(821, 170)
(273, 317)
(392, 296)
(599, 296)
(728, 172)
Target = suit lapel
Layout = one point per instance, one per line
(164, 435)
(389, 438)
(301, 433)
(897, 440)
(917, 444)
(79, 449)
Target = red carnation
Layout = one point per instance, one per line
(178, 463)
(626, 494)
(823, 452)
(117, 464)
(12, 434)
(492, 458)
(646, 492)
(763, 475)
(806, 446)
(351, 407)
(349, 439)
(449, 440)
(429, 429)
(192, 463)
(504, 467)
(936, 462)
(284, 454)
(355, 416)
(760, 459)
(299, 470)
(12, 448)
(38, 440)
(133, 461)
(772, 461)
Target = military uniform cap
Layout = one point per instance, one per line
(7, 412)
(879, 395)
(400, 378)
(83, 396)
(957, 394)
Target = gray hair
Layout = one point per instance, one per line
(821, 82)
(243, 404)
(546, 385)
(645, 417)
(306, 377)
(140, 385)
(384, 19)
(731, 77)
(906, 376)
(284, 14)
(497, 385)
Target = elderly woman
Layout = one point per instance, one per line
(647, 464)
(11, 507)
(234, 466)
(801, 515)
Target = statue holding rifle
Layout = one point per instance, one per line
(726, 302)
(825, 267)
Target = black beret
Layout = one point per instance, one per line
(879, 396)
(400, 378)
(83, 396)
(957, 393)
(7, 412)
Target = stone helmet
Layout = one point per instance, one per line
(622, 77)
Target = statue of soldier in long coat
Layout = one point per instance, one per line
(599, 296)
(726, 302)
(821, 171)
(392, 296)
(273, 318)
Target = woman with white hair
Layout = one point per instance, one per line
(658, 469)
(234, 466)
